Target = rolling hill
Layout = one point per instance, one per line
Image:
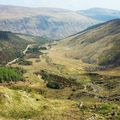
(51, 22)
(97, 45)
(101, 14)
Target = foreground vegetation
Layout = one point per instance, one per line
(21, 105)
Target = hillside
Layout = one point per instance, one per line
(101, 14)
(12, 45)
(51, 22)
(97, 45)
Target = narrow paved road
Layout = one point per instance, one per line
(16, 59)
(30, 45)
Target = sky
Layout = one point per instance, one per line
(66, 4)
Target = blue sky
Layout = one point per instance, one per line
(67, 4)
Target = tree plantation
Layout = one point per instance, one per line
(8, 74)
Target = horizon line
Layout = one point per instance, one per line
(57, 7)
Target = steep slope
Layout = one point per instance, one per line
(12, 45)
(50, 22)
(97, 45)
(101, 14)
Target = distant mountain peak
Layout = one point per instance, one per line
(102, 14)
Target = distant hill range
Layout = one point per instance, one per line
(101, 14)
(99, 44)
(50, 22)
(53, 23)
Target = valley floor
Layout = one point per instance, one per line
(59, 88)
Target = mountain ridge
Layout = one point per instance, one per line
(54, 23)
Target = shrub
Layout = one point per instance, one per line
(24, 62)
(43, 48)
(4, 35)
(55, 85)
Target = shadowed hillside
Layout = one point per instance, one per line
(12, 45)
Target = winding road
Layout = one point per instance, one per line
(16, 59)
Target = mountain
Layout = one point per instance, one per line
(99, 44)
(51, 22)
(12, 45)
(101, 14)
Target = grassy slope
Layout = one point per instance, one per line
(99, 44)
(21, 105)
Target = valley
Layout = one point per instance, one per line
(67, 86)
(58, 64)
